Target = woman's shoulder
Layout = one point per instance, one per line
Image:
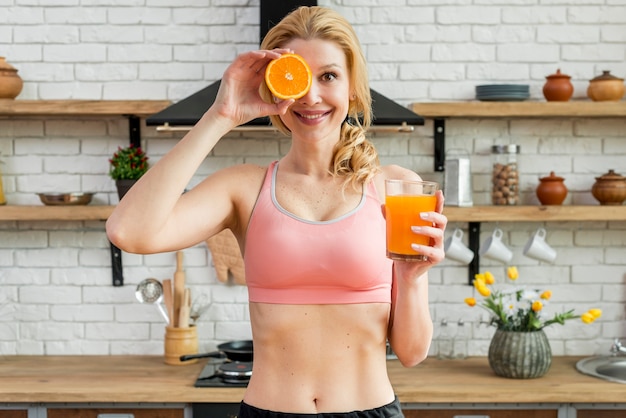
(393, 171)
(243, 172)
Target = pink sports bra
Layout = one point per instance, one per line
(290, 260)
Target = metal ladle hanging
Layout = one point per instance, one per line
(150, 291)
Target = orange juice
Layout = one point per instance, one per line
(402, 212)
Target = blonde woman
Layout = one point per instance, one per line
(323, 297)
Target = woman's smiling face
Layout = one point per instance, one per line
(323, 109)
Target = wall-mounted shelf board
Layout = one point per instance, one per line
(454, 214)
(55, 213)
(536, 213)
(526, 109)
(81, 107)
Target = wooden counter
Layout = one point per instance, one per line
(135, 379)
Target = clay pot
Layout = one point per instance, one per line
(551, 190)
(606, 87)
(610, 189)
(558, 87)
(10, 83)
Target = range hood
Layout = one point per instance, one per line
(181, 116)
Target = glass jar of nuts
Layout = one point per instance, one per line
(505, 175)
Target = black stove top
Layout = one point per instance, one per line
(220, 373)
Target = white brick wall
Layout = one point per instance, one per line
(56, 295)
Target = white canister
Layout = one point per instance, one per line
(457, 179)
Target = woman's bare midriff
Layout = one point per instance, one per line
(294, 346)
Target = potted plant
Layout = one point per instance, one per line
(519, 347)
(127, 166)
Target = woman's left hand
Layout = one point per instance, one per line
(434, 252)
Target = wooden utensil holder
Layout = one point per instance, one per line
(179, 341)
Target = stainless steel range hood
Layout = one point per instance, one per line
(181, 116)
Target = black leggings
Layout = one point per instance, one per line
(391, 410)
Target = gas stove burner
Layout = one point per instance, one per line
(223, 374)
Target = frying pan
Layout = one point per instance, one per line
(233, 350)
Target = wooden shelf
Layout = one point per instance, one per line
(81, 107)
(55, 213)
(475, 109)
(535, 213)
(454, 214)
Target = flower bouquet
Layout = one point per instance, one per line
(519, 348)
(520, 309)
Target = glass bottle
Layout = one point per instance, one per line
(505, 175)
(461, 340)
(445, 341)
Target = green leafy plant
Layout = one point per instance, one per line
(520, 309)
(128, 163)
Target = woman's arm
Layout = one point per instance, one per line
(410, 326)
(155, 215)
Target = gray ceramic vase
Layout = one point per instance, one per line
(520, 355)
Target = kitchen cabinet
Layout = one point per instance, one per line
(114, 413)
(482, 413)
(600, 413)
(13, 413)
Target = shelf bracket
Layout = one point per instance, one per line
(116, 266)
(134, 130)
(439, 128)
(117, 269)
(474, 244)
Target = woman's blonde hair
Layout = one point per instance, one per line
(354, 157)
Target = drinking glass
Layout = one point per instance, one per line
(404, 201)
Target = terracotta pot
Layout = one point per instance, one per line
(558, 88)
(610, 189)
(551, 190)
(10, 83)
(606, 87)
(520, 355)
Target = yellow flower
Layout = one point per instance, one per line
(587, 318)
(596, 313)
(489, 279)
(479, 281)
(537, 306)
(512, 273)
(484, 290)
(470, 301)
(546, 295)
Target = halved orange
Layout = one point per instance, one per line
(288, 77)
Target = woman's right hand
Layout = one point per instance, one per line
(238, 98)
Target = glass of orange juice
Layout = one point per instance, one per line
(404, 201)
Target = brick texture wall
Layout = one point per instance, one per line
(56, 295)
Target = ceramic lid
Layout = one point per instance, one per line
(606, 75)
(558, 75)
(5, 66)
(505, 149)
(611, 176)
(552, 177)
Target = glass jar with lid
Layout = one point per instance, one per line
(505, 175)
